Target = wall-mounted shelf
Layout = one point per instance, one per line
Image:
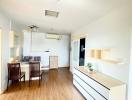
(95, 53)
(103, 55)
(111, 61)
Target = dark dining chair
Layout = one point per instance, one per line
(34, 71)
(14, 73)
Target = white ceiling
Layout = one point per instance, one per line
(74, 14)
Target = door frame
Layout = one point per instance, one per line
(73, 39)
(130, 72)
(0, 60)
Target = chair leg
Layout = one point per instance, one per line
(41, 77)
(24, 78)
(29, 81)
(39, 80)
(20, 83)
(7, 84)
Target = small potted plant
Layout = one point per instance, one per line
(89, 65)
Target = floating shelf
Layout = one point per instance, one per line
(108, 60)
(102, 55)
(111, 61)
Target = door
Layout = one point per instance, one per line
(75, 54)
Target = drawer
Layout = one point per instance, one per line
(98, 87)
(83, 92)
(89, 89)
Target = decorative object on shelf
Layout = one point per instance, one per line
(89, 65)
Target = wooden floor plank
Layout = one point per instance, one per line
(56, 85)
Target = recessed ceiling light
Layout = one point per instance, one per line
(51, 13)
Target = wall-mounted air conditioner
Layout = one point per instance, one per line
(53, 36)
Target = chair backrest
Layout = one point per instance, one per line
(37, 58)
(14, 70)
(34, 68)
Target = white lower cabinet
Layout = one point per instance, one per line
(92, 89)
(101, 89)
(89, 89)
(83, 92)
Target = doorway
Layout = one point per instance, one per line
(82, 52)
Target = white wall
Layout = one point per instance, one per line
(5, 26)
(111, 31)
(130, 73)
(40, 44)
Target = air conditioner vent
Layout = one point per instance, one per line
(51, 13)
(54, 36)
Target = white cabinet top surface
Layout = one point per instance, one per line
(101, 78)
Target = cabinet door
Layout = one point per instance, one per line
(53, 62)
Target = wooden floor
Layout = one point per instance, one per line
(56, 85)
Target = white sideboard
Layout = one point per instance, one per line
(98, 86)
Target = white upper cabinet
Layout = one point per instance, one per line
(11, 39)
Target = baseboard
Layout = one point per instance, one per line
(63, 66)
(68, 68)
(3, 91)
(71, 72)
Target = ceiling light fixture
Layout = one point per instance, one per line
(33, 28)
